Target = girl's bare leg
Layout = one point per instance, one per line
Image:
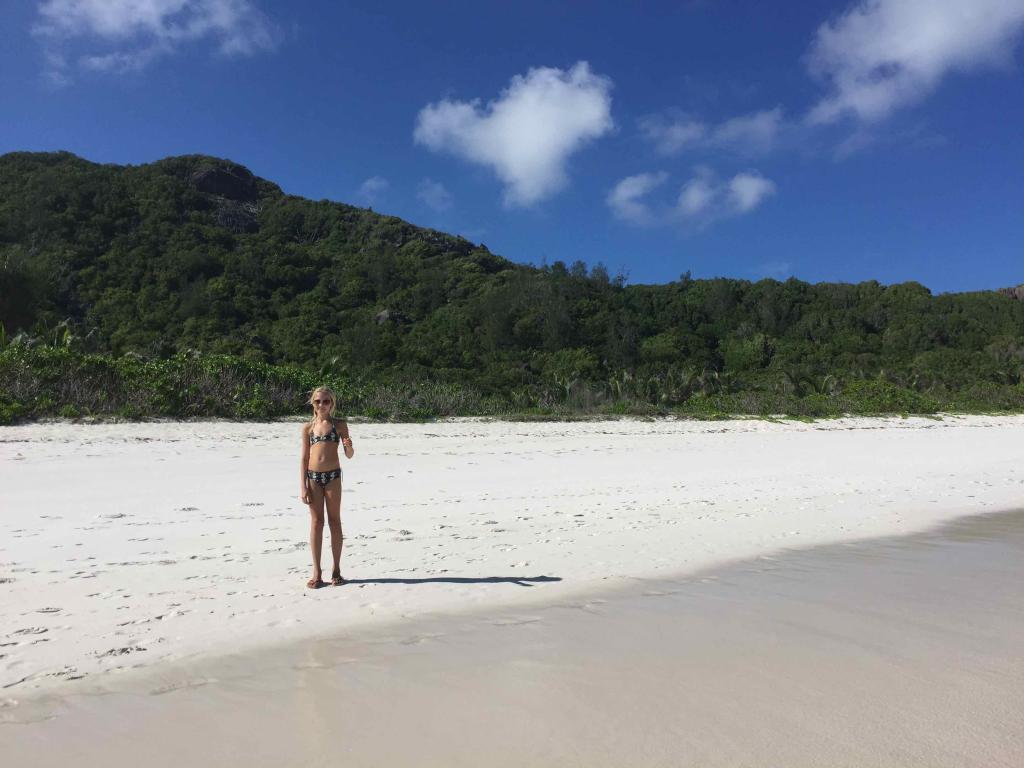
(332, 494)
(316, 528)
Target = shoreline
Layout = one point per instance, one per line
(465, 547)
(843, 653)
(134, 679)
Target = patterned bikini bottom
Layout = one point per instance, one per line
(323, 478)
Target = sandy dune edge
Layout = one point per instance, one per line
(122, 546)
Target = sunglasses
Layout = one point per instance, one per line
(325, 402)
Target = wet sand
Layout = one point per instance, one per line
(899, 651)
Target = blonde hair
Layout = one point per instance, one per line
(325, 390)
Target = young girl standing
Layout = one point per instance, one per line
(320, 479)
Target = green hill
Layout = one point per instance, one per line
(196, 254)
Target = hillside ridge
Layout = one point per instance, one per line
(197, 254)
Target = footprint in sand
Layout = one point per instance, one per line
(68, 673)
(417, 639)
(181, 686)
(123, 651)
(30, 631)
(514, 622)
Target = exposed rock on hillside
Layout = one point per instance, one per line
(235, 182)
(389, 316)
(1014, 293)
(238, 217)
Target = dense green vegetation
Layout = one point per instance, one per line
(190, 287)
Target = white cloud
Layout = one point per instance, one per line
(625, 197)
(697, 194)
(670, 136)
(702, 199)
(118, 62)
(135, 32)
(434, 195)
(755, 132)
(867, 135)
(882, 54)
(56, 68)
(745, 191)
(528, 133)
(705, 198)
(748, 134)
(372, 188)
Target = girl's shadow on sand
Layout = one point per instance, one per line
(522, 581)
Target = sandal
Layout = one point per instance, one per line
(337, 581)
(315, 584)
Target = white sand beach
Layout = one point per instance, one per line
(127, 547)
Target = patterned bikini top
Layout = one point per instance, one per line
(331, 436)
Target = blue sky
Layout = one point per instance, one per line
(832, 141)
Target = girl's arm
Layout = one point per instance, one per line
(346, 441)
(304, 465)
